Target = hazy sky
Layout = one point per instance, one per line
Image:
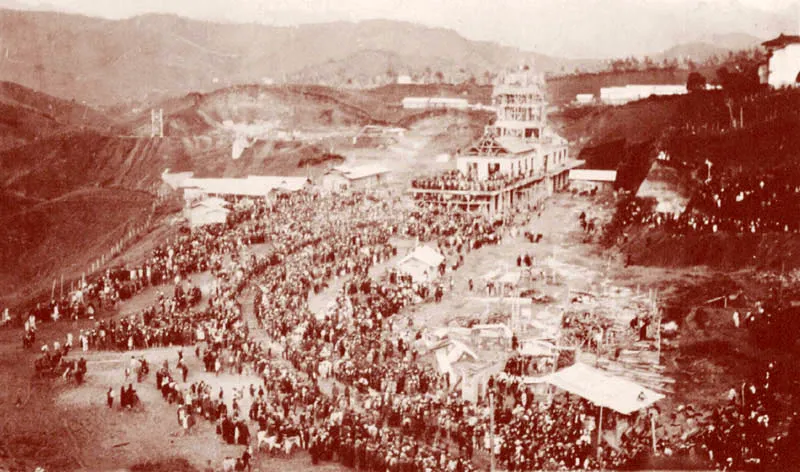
(508, 22)
(251, 10)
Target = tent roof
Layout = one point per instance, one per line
(491, 329)
(600, 388)
(429, 256)
(210, 202)
(280, 182)
(593, 175)
(451, 331)
(535, 347)
(254, 185)
(362, 171)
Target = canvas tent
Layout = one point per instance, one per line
(422, 264)
(602, 389)
(474, 378)
(536, 348)
(207, 212)
(448, 353)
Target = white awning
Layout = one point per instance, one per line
(600, 388)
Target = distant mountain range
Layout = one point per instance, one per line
(150, 57)
(718, 45)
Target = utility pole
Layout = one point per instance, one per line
(157, 123)
(491, 431)
(599, 433)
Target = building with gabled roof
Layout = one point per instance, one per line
(519, 160)
(421, 264)
(251, 186)
(783, 61)
(587, 179)
(360, 177)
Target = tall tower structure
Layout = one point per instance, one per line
(521, 106)
(157, 123)
(519, 160)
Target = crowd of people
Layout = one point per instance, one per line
(742, 204)
(455, 180)
(383, 406)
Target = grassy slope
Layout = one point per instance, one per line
(64, 235)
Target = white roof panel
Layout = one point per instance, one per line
(361, 171)
(600, 388)
(593, 175)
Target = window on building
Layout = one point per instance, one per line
(494, 168)
(532, 133)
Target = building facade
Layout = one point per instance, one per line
(632, 93)
(359, 178)
(435, 103)
(518, 161)
(783, 61)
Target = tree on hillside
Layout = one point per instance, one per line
(740, 81)
(696, 82)
(439, 76)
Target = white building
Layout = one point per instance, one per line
(632, 93)
(252, 186)
(783, 66)
(587, 179)
(435, 103)
(422, 264)
(519, 160)
(584, 98)
(404, 80)
(363, 177)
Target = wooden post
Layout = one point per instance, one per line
(743, 395)
(61, 293)
(659, 338)
(653, 430)
(491, 431)
(599, 432)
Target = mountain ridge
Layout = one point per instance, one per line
(150, 57)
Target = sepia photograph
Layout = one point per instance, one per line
(399, 235)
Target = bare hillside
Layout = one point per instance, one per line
(64, 235)
(27, 115)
